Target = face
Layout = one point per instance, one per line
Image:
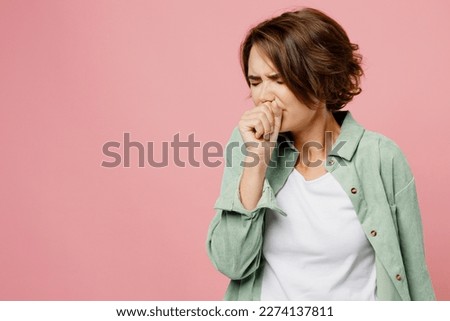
(267, 85)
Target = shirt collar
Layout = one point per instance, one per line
(350, 136)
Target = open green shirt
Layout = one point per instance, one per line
(377, 178)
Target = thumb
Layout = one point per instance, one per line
(277, 112)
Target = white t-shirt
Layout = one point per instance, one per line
(319, 251)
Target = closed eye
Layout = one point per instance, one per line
(256, 80)
(276, 77)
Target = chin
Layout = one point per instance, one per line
(284, 130)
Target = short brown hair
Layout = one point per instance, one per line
(313, 55)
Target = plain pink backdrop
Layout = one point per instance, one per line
(77, 74)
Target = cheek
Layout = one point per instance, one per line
(253, 96)
(292, 116)
(285, 120)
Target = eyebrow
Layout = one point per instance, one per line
(273, 76)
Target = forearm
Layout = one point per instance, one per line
(235, 235)
(411, 243)
(252, 182)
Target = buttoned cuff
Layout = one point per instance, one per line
(267, 200)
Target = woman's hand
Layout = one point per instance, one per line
(259, 128)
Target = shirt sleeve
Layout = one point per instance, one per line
(409, 225)
(235, 235)
(411, 243)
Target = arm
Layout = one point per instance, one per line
(235, 235)
(411, 243)
(401, 187)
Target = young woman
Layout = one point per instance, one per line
(312, 205)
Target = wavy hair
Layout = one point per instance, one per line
(313, 55)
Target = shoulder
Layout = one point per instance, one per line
(368, 140)
(393, 162)
(387, 147)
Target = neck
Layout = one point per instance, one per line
(314, 141)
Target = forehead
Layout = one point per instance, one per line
(259, 63)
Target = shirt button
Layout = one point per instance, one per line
(354, 190)
(331, 162)
(373, 233)
(398, 277)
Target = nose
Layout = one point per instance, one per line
(265, 93)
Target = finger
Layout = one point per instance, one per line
(278, 112)
(250, 125)
(267, 110)
(251, 111)
(256, 126)
(262, 117)
(265, 122)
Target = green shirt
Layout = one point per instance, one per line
(376, 177)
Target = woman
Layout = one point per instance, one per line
(313, 206)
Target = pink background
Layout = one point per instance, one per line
(77, 74)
